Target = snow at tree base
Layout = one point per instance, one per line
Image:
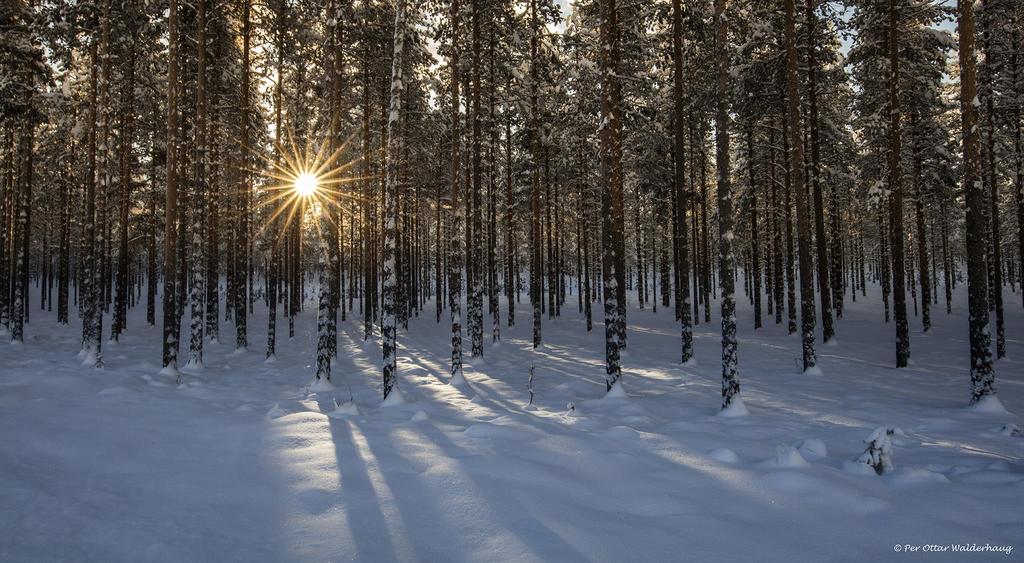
(753, 275)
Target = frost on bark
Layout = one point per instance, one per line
(726, 259)
(475, 312)
(983, 378)
(196, 296)
(323, 341)
(455, 256)
(679, 179)
(612, 236)
(389, 313)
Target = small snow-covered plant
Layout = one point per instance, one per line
(572, 408)
(878, 454)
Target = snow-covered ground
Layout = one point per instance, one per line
(243, 463)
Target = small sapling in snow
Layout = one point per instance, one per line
(878, 454)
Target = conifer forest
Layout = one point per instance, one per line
(513, 280)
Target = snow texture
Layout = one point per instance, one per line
(241, 462)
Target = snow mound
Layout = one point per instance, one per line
(458, 380)
(1010, 430)
(812, 447)
(623, 433)
(735, 409)
(115, 390)
(321, 386)
(617, 391)
(342, 410)
(724, 455)
(858, 468)
(786, 456)
(395, 398)
(420, 416)
(999, 465)
(813, 370)
(825, 493)
(990, 404)
(909, 477)
(276, 412)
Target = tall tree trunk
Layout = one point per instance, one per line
(613, 244)
(242, 229)
(726, 260)
(983, 376)
(755, 242)
(536, 282)
(476, 323)
(197, 296)
(899, 291)
(455, 257)
(170, 348)
(922, 237)
(394, 144)
(820, 238)
(682, 197)
(796, 171)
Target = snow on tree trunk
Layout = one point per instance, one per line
(323, 341)
(390, 273)
(983, 378)
(455, 256)
(678, 147)
(196, 298)
(726, 259)
(612, 237)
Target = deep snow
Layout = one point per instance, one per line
(242, 462)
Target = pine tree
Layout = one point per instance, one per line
(394, 142)
(796, 173)
(726, 259)
(982, 371)
(612, 237)
(899, 299)
(197, 294)
(682, 196)
(170, 345)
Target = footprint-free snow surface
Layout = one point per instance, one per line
(244, 462)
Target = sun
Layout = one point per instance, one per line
(306, 184)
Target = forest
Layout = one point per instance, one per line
(443, 244)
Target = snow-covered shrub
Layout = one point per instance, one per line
(878, 454)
